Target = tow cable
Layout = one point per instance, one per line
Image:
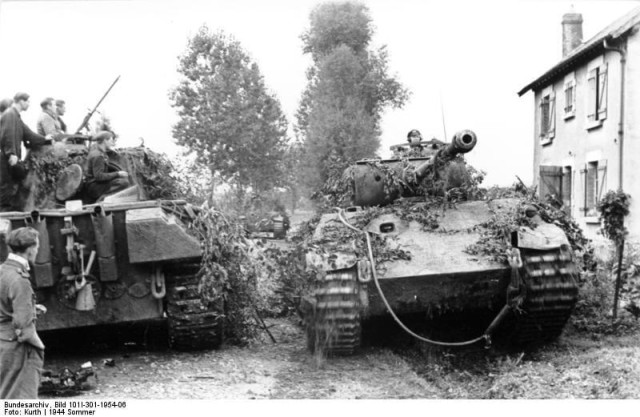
(514, 261)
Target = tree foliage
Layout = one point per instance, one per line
(348, 88)
(227, 117)
(613, 208)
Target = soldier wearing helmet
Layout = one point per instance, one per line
(414, 137)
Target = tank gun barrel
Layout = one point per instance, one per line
(462, 142)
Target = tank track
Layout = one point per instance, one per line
(551, 294)
(334, 324)
(192, 324)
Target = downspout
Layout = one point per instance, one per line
(623, 60)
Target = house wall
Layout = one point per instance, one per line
(574, 145)
(631, 157)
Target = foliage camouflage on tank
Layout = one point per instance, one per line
(126, 259)
(439, 244)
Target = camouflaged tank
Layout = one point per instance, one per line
(273, 226)
(427, 268)
(128, 258)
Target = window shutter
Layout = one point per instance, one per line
(602, 178)
(592, 185)
(573, 96)
(569, 98)
(566, 188)
(552, 115)
(551, 183)
(583, 187)
(602, 92)
(591, 95)
(544, 116)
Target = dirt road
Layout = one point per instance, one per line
(263, 370)
(574, 367)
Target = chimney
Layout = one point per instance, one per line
(571, 32)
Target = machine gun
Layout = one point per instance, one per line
(86, 119)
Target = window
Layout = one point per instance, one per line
(547, 117)
(569, 99)
(594, 177)
(597, 96)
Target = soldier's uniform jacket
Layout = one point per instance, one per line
(48, 124)
(13, 131)
(21, 350)
(17, 303)
(99, 168)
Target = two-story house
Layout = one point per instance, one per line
(587, 121)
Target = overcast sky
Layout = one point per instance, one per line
(461, 60)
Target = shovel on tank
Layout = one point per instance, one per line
(85, 300)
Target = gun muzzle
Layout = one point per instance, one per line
(464, 141)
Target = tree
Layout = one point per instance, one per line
(227, 117)
(348, 88)
(613, 208)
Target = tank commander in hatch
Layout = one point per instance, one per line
(103, 177)
(414, 137)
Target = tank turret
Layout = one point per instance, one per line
(412, 164)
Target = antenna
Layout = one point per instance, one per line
(444, 127)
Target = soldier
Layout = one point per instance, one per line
(21, 349)
(103, 177)
(14, 132)
(414, 137)
(5, 103)
(48, 123)
(61, 109)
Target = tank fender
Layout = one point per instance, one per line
(545, 236)
(154, 236)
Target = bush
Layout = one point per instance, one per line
(593, 310)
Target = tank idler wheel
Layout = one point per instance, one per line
(333, 323)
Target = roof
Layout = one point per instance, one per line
(587, 50)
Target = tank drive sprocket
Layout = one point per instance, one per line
(193, 325)
(552, 292)
(334, 325)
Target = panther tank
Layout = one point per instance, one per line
(130, 257)
(402, 249)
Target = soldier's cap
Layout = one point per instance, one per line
(102, 136)
(21, 96)
(21, 239)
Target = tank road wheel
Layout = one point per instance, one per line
(333, 323)
(193, 325)
(552, 292)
